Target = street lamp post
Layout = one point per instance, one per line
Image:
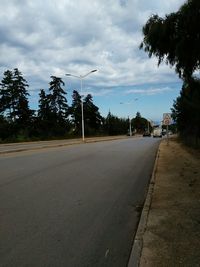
(130, 130)
(130, 127)
(81, 77)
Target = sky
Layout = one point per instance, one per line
(55, 37)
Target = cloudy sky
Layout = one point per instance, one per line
(55, 37)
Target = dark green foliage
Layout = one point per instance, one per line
(186, 111)
(44, 122)
(4, 128)
(17, 116)
(23, 112)
(139, 123)
(44, 110)
(6, 92)
(175, 38)
(58, 101)
(75, 112)
(54, 118)
(114, 125)
(93, 119)
(13, 97)
(52, 121)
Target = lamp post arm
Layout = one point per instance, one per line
(71, 75)
(83, 76)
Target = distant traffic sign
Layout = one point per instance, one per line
(167, 119)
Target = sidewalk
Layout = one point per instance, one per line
(170, 236)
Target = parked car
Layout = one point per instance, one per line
(146, 134)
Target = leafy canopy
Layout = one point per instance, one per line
(175, 39)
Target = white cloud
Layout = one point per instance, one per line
(100, 92)
(42, 38)
(150, 91)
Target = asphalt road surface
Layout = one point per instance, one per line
(73, 206)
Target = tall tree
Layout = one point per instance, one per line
(175, 38)
(75, 111)
(186, 110)
(58, 101)
(45, 122)
(139, 123)
(115, 126)
(6, 93)
(44, 106)
(13, 97)
(92, 116)
(20, 98)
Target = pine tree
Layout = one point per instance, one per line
(58, 101)
(139, 123)
(21, 109)
(92, 116)
(75, 111)
(13, 97)
(114, 125)
(44, 106)
(6, 94)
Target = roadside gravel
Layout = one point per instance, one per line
(172, 235)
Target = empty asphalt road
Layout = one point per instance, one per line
(73, 206)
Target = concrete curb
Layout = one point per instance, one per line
(134, 260)
(38, 148)
(75, 142)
